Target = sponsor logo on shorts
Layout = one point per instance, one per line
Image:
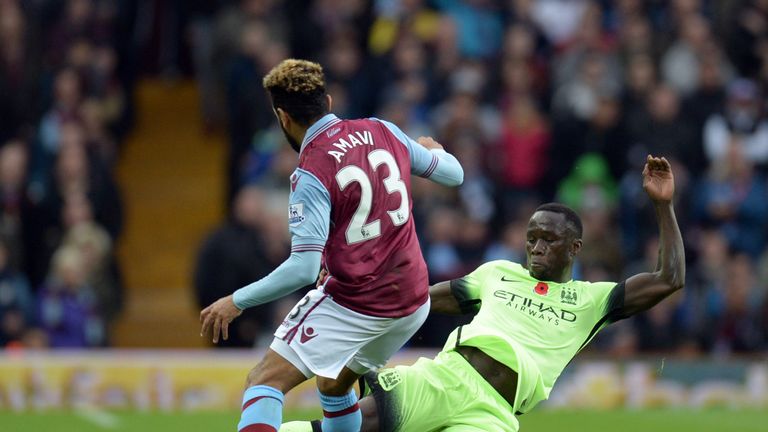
(389, 379)
(295, 214)
(307, 334)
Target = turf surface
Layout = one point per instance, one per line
(539, 421)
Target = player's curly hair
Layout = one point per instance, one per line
(298, 88)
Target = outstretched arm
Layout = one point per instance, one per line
(308, 219)
(442, 299)
(455, 297)
(429, 159)
(644, 290)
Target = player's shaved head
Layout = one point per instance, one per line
(298, 88)
(571, 217)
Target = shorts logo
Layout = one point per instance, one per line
(541, 288)
(307, 334)
(568, 295)
(295, 215)
(389, 379)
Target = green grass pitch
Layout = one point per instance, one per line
(538, 421)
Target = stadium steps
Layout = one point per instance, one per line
(172, 179)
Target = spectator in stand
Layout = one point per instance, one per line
(67, 307)
(748, 30)
(233, 256)
(525, 136)
(344, 66)
(100, 266)
(19, 73)
(664, 129)
(14, 204)
(680, 63)
(247, 105)
(510, 245)
(709, 97)
(736, 313)
(741, 122)
(734, 198)
(16, 301)
(63, 110)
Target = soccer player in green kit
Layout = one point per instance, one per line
(528, 325)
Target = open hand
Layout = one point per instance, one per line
(219, 315)
(429, 143)
(658, 181)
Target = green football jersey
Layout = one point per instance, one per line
(534, 327)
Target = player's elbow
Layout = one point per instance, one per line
(456, 179)
(305, 267)
(306, 277)
(459, 178)
(675, 280)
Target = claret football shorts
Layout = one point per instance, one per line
(320, 337)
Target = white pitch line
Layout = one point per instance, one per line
(98, 417)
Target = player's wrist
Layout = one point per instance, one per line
(239, 299)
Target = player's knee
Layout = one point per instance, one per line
(255, 377)
(332, 387)
(278, 375)
(265, 374)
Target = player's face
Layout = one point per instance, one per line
(548, 246)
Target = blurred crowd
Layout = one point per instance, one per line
(540, 100)
(64, 109)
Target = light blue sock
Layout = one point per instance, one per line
(341, 413)
(262, 410)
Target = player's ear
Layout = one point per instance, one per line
(283, 118)
(575, 247)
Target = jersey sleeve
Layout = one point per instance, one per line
(436, 164)
(468, 289)
(609, 298)
(309, 212)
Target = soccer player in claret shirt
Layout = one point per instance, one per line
(529, 324)
(349, 207)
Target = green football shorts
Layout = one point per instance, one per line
(444, 394)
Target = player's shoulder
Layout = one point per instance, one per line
(595, 290)
(509, 269)
(305, 180)
(590, 284)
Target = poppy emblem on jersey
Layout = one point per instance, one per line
(295, 215)
(541, 288)
(307, 334)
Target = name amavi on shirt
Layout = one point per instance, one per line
(353, 140)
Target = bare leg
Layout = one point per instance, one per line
(276, 372)
(370, 414)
